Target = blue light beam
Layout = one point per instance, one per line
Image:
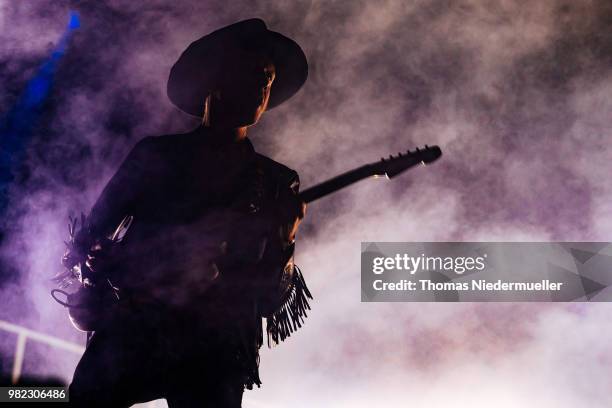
(17, 124)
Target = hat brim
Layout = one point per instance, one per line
(192, 76)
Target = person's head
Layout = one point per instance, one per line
(232, 75)
(241, 91)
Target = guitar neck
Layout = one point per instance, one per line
(334, 184)
(390, 167)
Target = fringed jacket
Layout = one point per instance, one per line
(203, 240)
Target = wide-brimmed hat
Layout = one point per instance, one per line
(193, 76)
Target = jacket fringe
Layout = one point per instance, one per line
(290, 316)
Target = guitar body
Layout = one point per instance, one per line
(90, 309)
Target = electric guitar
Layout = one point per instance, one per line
(87, 308)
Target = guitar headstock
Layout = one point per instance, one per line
(394, 165)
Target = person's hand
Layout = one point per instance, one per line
(98, 260)
(292, 210)
(93, 255)
(285, 213)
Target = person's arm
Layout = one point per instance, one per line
(123, 190)
(117, 200)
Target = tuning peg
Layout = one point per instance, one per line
(417, 150)
(426, 147)
(390, 156)
(399, 154)
(382, 159)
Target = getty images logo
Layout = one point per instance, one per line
(413, 264)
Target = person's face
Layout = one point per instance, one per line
(243, 92)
